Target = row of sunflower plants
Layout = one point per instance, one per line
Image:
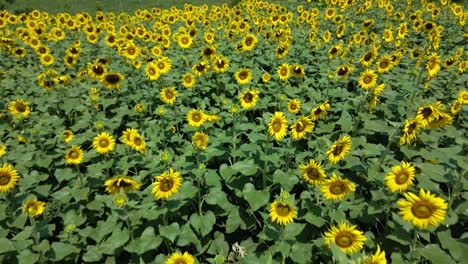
(301, 132)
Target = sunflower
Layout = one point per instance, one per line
(111, 80)
(196, 118)
(220, 63)
(179, 258)
(319, 111)
(337, 188)
(384, 64)
(266, 77)
(188, 80)
(377, 258)
(282, 212)
(294, 106)
(282, 50)
(138, 143)
(334, 51)
(243, 76)
(164, 65)
(368, 79)
(200, 68)
(128, 134)
(166, 184)
(400, 177)
(429, 113)
(387, 35)
(168, 95)
(129, 50)
(47, 59)
(344, 70)
(185, 41)
(19, 109)
(313, 173)
(368, 57)
(152, 72)
(74, 155)
(463, 96)
(3, 150)
(301, 127)
(433, 65)
(121, 183)
(96, 70)
(284, 72)
(8, 178)
(346, 237)
(423, 210)
(200, 140)
(339, 149)
(33, 207)
(455, 109)
(19, 52)
(103, 143)
(68, 135)
(297, 70)
(249, 42)
(278, 125)
(249, 98)
(411, 130)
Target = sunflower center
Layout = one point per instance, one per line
(196, 117)
(32, 209)
(411, 128)
(151, 71)
(337, 150)
(112, 78)
(161, 65)
(343, 240)
(98, 70)
(74, 154)
(184, 41)
(383, 64)
(284, 72)
(401, 178)
(166, 185)
(318, 111)
(220, 64)
(337, 188)
(137, 141)
(4, 179)
(368, 57)
(188, 79)
(277, 126)
(426, 112)
(248, 42)
(200, 67)
(180, 261)
(293, 106)
(300, 126)
(104, 143)
(248, 97)
(282, 210)
(422, 210)
(243, 75)
(367, 79)
(342, 71)
(169, 95)
(20, 107)
(312, 173)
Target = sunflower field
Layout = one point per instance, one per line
(330, 131)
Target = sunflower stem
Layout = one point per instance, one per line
(265, 162)
(413, 245)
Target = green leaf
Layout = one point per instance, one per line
(170, 232)
(433, 253)
(226, 172)
(92, 254)
(432, 171)
(292, 230)
(7, 245)
(256, 199)
(187, 236)
(339, 255)
(146, 242)
(26, 256)
(314, 219)
(457, 249)
(301, 253)
(245, 167)
(115, 241)
(234, 221)
(203, 223)
(61, 250)
(287, 181)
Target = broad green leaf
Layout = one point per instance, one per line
(245, 167)
(187, 236)
(115, 241)
(62, 250)
(256, 199)
(203, 223)
(170, 232)
(7, 245)
(433, 253)
(92, 254)
(292, 230)
(301, 253)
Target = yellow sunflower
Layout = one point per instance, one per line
(334, 51)
(166, 184)
(168, 95)
(3, 150)
(33, 207)
(200, 140)
(294, 106)
(164, 65)
(282, 212)
(8, 178)
(74, 155)
(111, 80)
(400, 177)
(138, 143)
(429, 113)
(284, 72)
(200, 68)
(368, 79)
(196, 118)
(433, 65)
(278, 125)
(456, 106)
(220, 63)
(463, 96)
(377, 258)
(297, 70)
(368, 57)
(179, 258)
(319, 111)
(103, 143)
(152, 72)
(185, 41)
(249, 98)
(188, 80)
(68, 135)
(410, 130)
(339, 149)
(249, 42)
(121, 183)
(19, 109)
(301, 127)
(96, 70)
(128, 134)
(423, 210)
(208, 52)
(337, 188)
(346, 237)
(384, 64)
(344, 70)
(313, 172)
(243, 76)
